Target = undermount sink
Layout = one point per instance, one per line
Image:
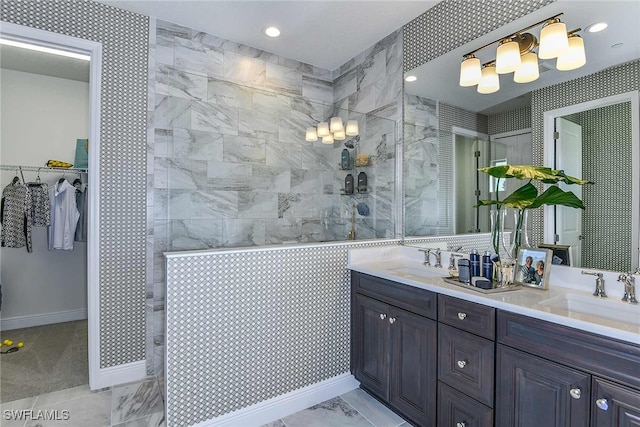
(425, 272)
(607, 308)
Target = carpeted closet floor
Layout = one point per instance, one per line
(54, 357)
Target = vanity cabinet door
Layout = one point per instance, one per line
(412, 388)
(534, 392)
(371, 344)
(614, 405)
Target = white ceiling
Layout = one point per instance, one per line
(623, 17)
(47, 64)
(323, 33)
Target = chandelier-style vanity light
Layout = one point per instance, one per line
(334, 130)
(515, 55)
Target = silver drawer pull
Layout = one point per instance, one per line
(392, 320)
(576, 393)
(462, 424)
(461, 364)
(602, 404)
(383, 316)
(462, 315)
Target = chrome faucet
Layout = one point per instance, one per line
(438, 255)
(599, 292)
(452, 261)
(629, 288)
(427, 262)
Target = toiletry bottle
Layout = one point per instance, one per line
(345, 162)
(348, 184)
(474, 259)
(487, 266)
(362, 182)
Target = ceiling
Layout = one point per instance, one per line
(47, 64)
(323, 33)
(622, 16)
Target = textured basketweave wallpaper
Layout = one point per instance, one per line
(124, 38)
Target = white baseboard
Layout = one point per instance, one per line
(116, 375)
(286, 404)
(43, 319)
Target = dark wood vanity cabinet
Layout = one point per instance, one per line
(443, 361)
(393, 351)
(548, 374)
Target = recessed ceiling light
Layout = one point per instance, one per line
(45, 49)
(272, 31)
(410, 79)
(598, 26)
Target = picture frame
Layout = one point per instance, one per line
(527, 271)
(561, 254)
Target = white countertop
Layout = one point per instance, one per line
(392, 263)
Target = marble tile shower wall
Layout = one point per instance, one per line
(228, 165)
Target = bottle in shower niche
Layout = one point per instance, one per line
(487, 266)
(362, 182)
(348, 184)
(474, 259)
(345, 160)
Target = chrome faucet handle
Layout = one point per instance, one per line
(427, 252)
(599, 292)
(629, 288)
(438, 255)
(452, 261)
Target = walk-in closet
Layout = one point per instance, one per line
(43, 257)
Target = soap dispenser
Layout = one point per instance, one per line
(362, 182)
(348, 184)
(345, 161)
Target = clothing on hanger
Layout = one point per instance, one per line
(40, 204)
(82, 193)
(64, 215)
(15, 216)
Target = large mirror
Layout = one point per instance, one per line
(508, 124)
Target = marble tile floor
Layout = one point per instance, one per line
(353, 409)
(136, 404)
(140, 405)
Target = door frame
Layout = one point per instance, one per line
(548, 159)
(97, 378)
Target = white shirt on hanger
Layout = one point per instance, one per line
(64, 215)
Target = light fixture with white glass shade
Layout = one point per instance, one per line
(312, 134)
(352, 128)
(528, 70)
(336, 125)
(470, 71)
(574, 57)
(327, 139)
(323, 129)
(515, 54)
(553, 39)
(490, 81)
(507, 56)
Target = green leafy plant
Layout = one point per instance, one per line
(527, 197)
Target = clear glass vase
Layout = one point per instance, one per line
(515, 236)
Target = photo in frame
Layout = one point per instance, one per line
(561, 254)
(533, 266)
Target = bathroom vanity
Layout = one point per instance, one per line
(442, 355)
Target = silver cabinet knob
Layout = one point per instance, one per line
(461, 364)
(392, 320)
(602, 404)
(576, 393)
(463, 424)
(383, 316)
(462, 315)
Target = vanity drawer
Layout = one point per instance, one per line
(466, 363)
(458, 409)
(415, 300)
(469, 316)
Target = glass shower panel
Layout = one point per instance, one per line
(237, 171)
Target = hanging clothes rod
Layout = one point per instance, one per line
(41, 169)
